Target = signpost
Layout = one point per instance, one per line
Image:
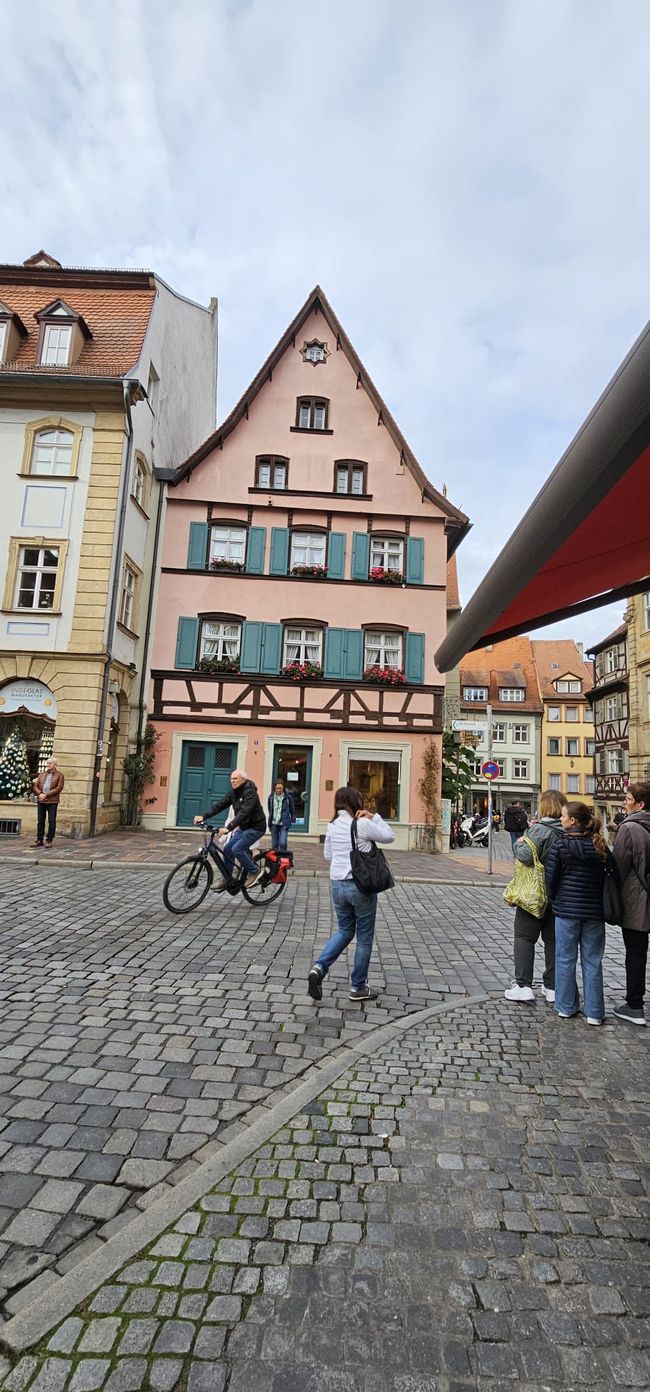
(494, 773)
(470, 727)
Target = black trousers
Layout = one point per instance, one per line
(636, 956)
(527, 931)
(43, 810)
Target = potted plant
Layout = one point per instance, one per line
(384, 676)
(383, 576)
(223, 563)
(302, 671)
(318, 571)
(219, 664)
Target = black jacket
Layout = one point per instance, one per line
(574, 878)
(249, 813)
(515, 819)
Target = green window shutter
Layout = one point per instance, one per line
(271, 648)
(353, 658)
(255, 550)
(197, 551)
(360, 555)
(336, 556)
(187, 640)
(414, 560)
(414, 663)
(251, 647)
(334, 652)
(279, 551)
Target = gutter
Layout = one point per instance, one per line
(152, 582)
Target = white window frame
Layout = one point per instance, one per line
(315, 353)
(501, 765)
(40, 570)
(555, 782)
(312, 413)
(572, 753)
(517, 765)
(554, 739)
(139, 489)
(589, 752)
(614, 760)
(554, 713)
(314, 546)
(128, 596)
(613, 707)
(645, 604)
(232, 543)
(224, 640)
(303, 643)
(57, 345)
(4, 335)
(351, 476)
(521, 734)
(568, 685)
(499, 732)
(388, 646)
(614, 658)
(512, 693)
(58, 451)
(573, 778)
(387, 552)
(571, 719)
(271, 472)
(475, 693)
(590, 785)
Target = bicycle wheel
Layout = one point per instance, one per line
(262, 894)
(187, 885)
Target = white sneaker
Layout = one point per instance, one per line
(591, 1021)
(520, 993)
(549, 996)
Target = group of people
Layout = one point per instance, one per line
(568, 841)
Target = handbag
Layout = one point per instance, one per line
(370, 870)
(527, 888)
(612, 902)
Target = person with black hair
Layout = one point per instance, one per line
(632, 855)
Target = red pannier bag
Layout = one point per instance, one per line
(277, 865)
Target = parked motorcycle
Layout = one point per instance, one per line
(457, 836)
(475, 829)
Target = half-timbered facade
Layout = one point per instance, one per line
(610, 701)
(302, 596)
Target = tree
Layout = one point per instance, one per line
(457, 768)
(15, 778)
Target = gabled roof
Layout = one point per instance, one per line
(615, 637)
(565, 655)
(458, 523)
(453, 594)
(41, 258)
(60, 310)
(507, 664)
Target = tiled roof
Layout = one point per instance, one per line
(563, 652)
(117, 319)
(453, 593)
(620, 632)
(513, 658)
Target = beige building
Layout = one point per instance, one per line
(638, 643)
(568, 743)
(106, 377)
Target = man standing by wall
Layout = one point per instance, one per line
(48, 788)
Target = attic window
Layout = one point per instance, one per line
(63, 334)
(555, 666)
(57, 341)
(314, 352)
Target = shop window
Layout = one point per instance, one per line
(26, 744)
(378, 781)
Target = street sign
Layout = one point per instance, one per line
(474, 727)
(490, 770)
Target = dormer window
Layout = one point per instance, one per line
(271, 471)
(512, 693)
(311, 413)
(475, 693)
(57, 342)
(63, 334)
(568, 684)
(12, 330)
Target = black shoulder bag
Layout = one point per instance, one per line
(370, 870)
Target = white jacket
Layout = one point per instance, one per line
(338, 841)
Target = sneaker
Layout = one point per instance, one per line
(219, 888)
(250, 882)
(564, 1015)
(549, 995)
(520, 993)
(629, 1013)
(36, 845)
(315, 983)
(362, 993)
(591, 1021)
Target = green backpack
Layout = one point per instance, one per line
(527, 888)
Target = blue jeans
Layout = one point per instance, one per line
(237, 847)
(514, 836)
(587, 934)
(279, 836)
(355, 913)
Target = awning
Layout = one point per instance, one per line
(585, 540)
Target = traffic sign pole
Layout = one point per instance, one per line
(489, 746)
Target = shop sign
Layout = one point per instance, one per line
(31, 696)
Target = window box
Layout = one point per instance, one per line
(384, 676)
(223, 563)
(219, 664)
(319, 571)
(302, 671)
(386, 577)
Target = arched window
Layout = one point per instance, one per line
(52, 452)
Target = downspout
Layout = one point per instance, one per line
(147, 633)
(127, 388)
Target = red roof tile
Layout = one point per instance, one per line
(501, 661)
(117, 318)
(563, 652)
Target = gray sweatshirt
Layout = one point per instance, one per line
(542, 834)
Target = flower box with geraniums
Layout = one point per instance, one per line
(381, 576)
(219, 664)
(302, 671)
(318, 572)
(222, 563)
(384, 676)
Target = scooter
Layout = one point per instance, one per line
(476, 830)
(457, 836)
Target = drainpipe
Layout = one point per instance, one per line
(128, 389)
(147, 632)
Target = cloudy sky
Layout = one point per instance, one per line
(467, 179)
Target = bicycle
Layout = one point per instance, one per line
(188, 883)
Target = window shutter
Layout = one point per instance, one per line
(344, 653)
(255, 550)
(197, 551)
(414, 665)
(336, 556)
(414, 560)
(279, 551)
(360, 555)
(187, 639)
(334, 652)
(353, 663)
(251, 647)
(271, 648)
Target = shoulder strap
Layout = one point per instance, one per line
(353, 833)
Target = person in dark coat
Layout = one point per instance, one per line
(543, 834)
(281, 815)
(515, 821)
(575, 875)
(632, 855)
(245, 828)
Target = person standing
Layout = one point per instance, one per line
(515, 821)
(246, 827)
(355, 912)
(575, 875)
(281, 815)
(632, 855)
(542, 833)
(48, 787)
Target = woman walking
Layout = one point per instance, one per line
(632, 856)
(542, 833)
(355, 912)
(281, 815)
(575, 874)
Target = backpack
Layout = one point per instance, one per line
(370, 870)
(612, 902)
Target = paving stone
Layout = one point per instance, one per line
(143, 1173)
(103, 1201)
(137, 1337)
(99, 1336)
(65, 1338)
(164, 1373)
(57, 1196)
(206, 1378)
(224, 1308)
(89, 1374)
(52, 1376)
(128, 1376)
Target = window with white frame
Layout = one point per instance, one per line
(571, 713)
(308, 548)
(228, 544)
(499, 733)
(36, 577)
(573, 783)
(475, 693)
(521, 734)
(568, 684)
(57, 342)
(128, 596)
(272, 471)
(312, 413)
(52, 452)
(590, 748)
(613, 707)
(647, 693)
(572, 748)
(590, 784)
(520, 768)
(512, 693)
(554, 712)
(383, 650)
(387, 552)
(350, 478)
(501, 765)
(646, 610)
(220, 639)
(614, 658)
(303, 644)
(555, 782)
(554, 745)
(4, 334)
(139, 490)
(376, 775)
(588, 715)
(614, 760)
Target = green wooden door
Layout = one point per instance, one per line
(206, 767)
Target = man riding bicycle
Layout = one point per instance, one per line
(246, 827)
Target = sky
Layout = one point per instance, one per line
(466, 179)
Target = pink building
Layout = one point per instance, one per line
(302, 596)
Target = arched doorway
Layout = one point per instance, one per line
(28, 714)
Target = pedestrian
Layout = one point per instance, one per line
(632, 855)
(515, 821)
(496, 820)
(48, 787)
(355, 912)
(245, 828)
(528, 929)
(281, 815)
(575, 875)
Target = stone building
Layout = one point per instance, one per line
(638, 644)
(610, 699)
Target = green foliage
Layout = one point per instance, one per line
(457, 768)
(429, 790)
(138, 772)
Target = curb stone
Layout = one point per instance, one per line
(58, 861)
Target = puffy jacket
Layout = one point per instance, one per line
(574, 878)
(542, 834)
(632, 855)
(249, 813)
(515, 819)
(287, 812)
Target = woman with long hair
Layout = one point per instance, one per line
(542, 833)
(355, 912)
(632, 856)
(575, 875)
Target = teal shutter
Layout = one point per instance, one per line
(197, 551)
(271, 648)
(255, 550)
(336, 556)
(414, 664)
(353, 666)
(187, 640)
(251, 647)
(279, 551)
(414, 560)
(344, 653)
(360, 555)
(334, 652)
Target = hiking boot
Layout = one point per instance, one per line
(315, 983)
(525, 994)
(630, 1013)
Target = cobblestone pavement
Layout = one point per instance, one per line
(464, 1210)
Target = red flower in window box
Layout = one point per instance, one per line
(384, 676)
(382, 576)
(222, 563)
(302, 671)
(318, 571)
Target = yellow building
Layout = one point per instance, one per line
(567, 755)
(638, 644)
